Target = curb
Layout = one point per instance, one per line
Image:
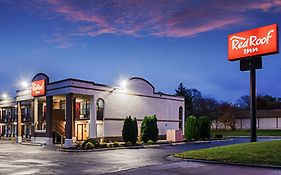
(250, 136)
(171, 158)
(31, 144)
(100, 149)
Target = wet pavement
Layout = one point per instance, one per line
(195, 168)
(25, 159)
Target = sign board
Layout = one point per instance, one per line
(252, 43)
(38, 88)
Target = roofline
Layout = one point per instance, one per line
(139, 78)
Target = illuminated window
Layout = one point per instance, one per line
(100, 109)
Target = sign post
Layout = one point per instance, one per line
(248, 47)
(253, 103)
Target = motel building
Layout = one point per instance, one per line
(72, 110)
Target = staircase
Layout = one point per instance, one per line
(58, 130)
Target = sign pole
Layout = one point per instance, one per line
(253, 102)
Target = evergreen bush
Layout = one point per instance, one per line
(204, 128)
(149, 129)
(191, 129)
(130, 130)
(89, 145)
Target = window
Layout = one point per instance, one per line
(84, 109)
(180, 117)
(100, 109)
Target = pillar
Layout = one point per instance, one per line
(32, 122)
(19, 134)
(35, 113)
(93, 118)
(49, 116)
(73, 118)
(69, 121)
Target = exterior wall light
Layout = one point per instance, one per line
(4, 96)
(123, 84)
(24, 84)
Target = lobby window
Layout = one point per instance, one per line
(180, 117)
(100, 109)
(84, 109)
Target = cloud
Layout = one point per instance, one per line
(158, 18)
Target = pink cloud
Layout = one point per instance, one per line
(160, 18)
(193, 31)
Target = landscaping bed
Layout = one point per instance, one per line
(258, 153)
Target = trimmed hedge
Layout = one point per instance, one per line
(149, 129)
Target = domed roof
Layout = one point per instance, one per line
(141, 85)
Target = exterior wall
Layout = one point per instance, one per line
(267, 123)
(262, 123)
(138, 100)
(118, 106)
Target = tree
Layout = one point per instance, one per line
(206, 107)
(228, 113)
(149, 129)
(189, 96)
(130, 130)
(264, 102)
(244, 102)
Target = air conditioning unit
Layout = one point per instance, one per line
(174, 135)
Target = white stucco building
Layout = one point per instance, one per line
(74, 110)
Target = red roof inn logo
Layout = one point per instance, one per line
(255, 42)
(38, 88)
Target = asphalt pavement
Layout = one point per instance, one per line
(18, 159)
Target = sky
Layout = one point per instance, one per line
(166, 42)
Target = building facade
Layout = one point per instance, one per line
(73, 110)
(266, 119)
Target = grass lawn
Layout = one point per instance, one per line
(246, 132)
(259, 153)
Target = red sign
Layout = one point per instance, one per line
(38, 88)
(255, 42)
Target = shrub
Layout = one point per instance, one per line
(89, 145)
(218, 136)
(116, 144)
(128, 144)
(130, 130)
(93, 141)
(77, 145)
(103, 145)
(204, 128)
(191, 129)
(149, 129)
(150, 142)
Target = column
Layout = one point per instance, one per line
(19, 134)
(73, 118)
(93, 118)
(69, 121)
(49, 116)
(32, 122)
(35, 113)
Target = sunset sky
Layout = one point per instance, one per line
(164, 41)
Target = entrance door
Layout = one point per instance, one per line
(79, 132)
